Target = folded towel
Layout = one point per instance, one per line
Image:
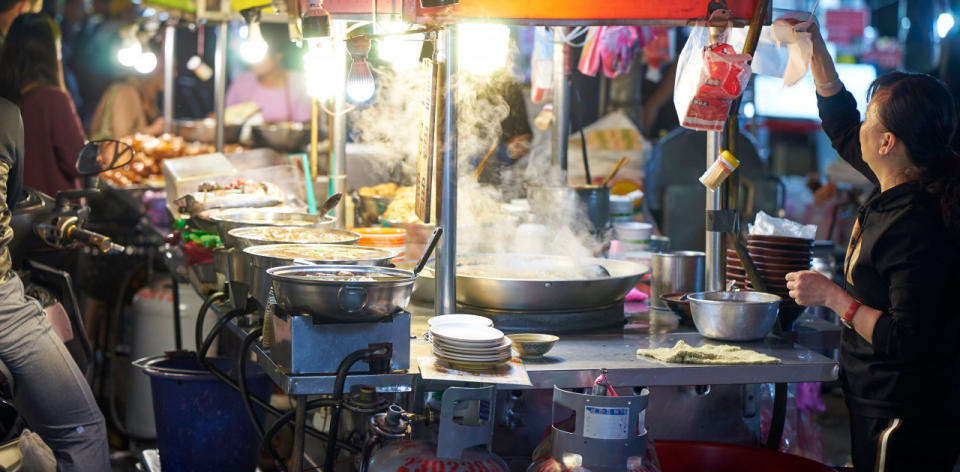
(716, 354)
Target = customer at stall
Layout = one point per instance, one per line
(49, 390)
(280, 93)
(30, 77)
(130, 106)
(899, 354)
(11, 9)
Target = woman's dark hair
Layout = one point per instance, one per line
(919, 110)
(29, 55)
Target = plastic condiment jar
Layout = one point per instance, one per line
(389, 238)
(719, 170)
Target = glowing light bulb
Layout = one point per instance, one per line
(360, 85)
(945, 23)
(483, 48)
(402, 52)
(318, 65)
(127, 56)
(254, 49)
(146, 63)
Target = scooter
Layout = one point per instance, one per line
(44, 228)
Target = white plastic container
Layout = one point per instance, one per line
(621, 209)
(634, 236)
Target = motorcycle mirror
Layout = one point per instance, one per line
(103, 155)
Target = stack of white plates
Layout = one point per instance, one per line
(470, 345)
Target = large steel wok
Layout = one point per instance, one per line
(554, 292)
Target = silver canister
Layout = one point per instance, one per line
(680, 271)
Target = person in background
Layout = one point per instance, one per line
(30, 77)
(900, 368)
(130, 106)
(281, 94)
(49, 390)
(72, 20)
(11, 9)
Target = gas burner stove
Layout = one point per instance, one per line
(605, 318)
(301, 346)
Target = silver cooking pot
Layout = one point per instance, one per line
(317, 290)
(240, 266)
(239, 273)
(501, 292)
(266, 257)
(227, 221)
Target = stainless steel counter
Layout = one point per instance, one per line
(576, 361)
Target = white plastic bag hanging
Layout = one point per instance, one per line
(709, 76)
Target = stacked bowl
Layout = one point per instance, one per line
(774, 257)
(470, 346)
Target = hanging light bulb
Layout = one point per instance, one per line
(254, 49)
(128, 54)
(483, 48)
(402, 52)
(360, 84)
(146, 63)
(318, 63)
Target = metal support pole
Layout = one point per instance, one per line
(715, 201)
(169, 65)
(446, 296)
(299, 433)
(561, 101)
(338, 133)
(220, 81)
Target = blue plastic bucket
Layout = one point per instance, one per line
(201, 422)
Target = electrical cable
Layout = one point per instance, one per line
(204, 308)
(242, 358)
(219, 374)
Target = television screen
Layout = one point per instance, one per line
(774, 100)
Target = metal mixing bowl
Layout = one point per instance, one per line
(734, 316)
(284, 137)
(205, 131)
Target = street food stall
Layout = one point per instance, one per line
(520, 328)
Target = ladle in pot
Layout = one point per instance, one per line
(434, 239)
(330, 204)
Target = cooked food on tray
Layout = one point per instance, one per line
(239, 193)
(510, 271)
(344, 276)
(259, 217)
(293, 235)
(150, 152)
(320, 253)
(481, 207)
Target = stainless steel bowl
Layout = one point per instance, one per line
(285, 137)
(205, 131)
(299, 292)
(227, 221)
(249, 236)
(263, 258)
(734, 316)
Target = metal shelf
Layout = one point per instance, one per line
(577, 359)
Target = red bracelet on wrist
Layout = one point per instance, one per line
(847, 317)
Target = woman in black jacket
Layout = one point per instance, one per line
(900, 367)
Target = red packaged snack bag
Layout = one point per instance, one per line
(725, 73)
(706, 114)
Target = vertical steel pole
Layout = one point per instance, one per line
(338, 133)
(446, 297)
(220, 81)
(169, 41)
(561, 101)
(299, 433)
(715, 201)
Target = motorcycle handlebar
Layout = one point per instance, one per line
(93, 239)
